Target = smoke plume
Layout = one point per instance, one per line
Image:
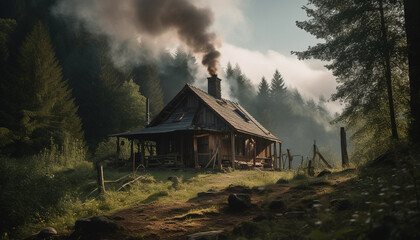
(149, 21)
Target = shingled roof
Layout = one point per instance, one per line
(231, 112)
(234, 114)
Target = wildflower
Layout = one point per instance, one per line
(352, 220)
(367, 220)
(355, 215)
(381, 194)
(380, 210)
(398, 202)
(318, 222)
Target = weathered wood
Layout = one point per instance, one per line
(232, 144)
(195, 150)
(219, 158)
(181, 151)
(132, 156)
(323, 160)
(290, 157)
(254, 144)
(275, 156)
(280, 157)
(142, 152)
(344, 155)
(101, 184)
(118, 149)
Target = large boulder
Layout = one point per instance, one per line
(239, 201)
(93, 228)
(211, 235)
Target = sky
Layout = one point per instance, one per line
(259, 36)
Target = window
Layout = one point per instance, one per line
(243, 116)
(178, 117)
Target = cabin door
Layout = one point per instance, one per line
(250, 148)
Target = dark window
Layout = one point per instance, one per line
(178, 117)
(243, 116)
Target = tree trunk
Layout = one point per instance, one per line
(412, 19)
(387, 60)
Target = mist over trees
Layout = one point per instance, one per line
(285, 113)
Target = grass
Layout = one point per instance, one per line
(69, 208)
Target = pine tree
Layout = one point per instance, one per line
(47, 109)
(277, 88)
(147, 77)
(263, 92)
(364, 42)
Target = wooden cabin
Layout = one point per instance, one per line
(202, 130)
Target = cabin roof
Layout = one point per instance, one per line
(231, 112)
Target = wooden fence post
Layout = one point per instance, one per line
(101, 184)
(290, 158)
(275, 156)
(344, 155)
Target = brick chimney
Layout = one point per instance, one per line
(214, 86)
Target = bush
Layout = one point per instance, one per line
(33, 186)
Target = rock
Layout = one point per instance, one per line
(210, 192)
(92, 228)
(276, 205)
(324, 172)
(211, 235)
(47, 233)
(261, 190)
(282, 181)
(239, 201)
(341, 204)
(238, 189)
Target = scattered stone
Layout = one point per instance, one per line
(211, 235)
(210, 192)
(47, 233)
(261, 190)
(239, 201)
(282, 181)
(276, 205)
(341, 204)
(238, 189)
(324, 172)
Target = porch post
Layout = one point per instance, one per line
(275, 156)
(181, 151)
(232, 144)
(255, 153)
(142, 153)
(132, 154)
(195, 153)
(280, 157)
(117, 157)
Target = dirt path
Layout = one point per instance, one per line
(171, 221)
